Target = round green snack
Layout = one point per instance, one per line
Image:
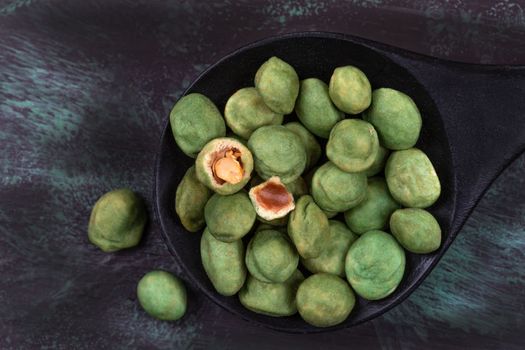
(263, 226)
(297, 187)
(195, 121)
(224, 165)
(416, 229)
(277, 151)
(271, 299)
(395, 117)
(271, 199)
(330, 214)
(350, 89)
(412, 179)
(335, 190)
(308, 228)
(315, 109)
(379, 162)
(278, 84)
(276, 223)
(229, 218)
(375, 265)
(162, 295)
(312, 147)
(117, 220)
(190, 199)
(246, 111)
(353, 145)
(223, 263)
(270, 256)
(373, 212)
(324, 300)
(332, 258)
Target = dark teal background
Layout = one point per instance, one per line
(85, 88)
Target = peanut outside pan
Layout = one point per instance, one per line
(473, 127)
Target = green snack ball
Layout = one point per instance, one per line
(280, 222)
(372, 213)
(309, 176)
(353, 145)
(270, 256)
(308, 228)
(277, 151)
(117, 220)
(315, 109)
(324, 300)
(335, 190)
(223, 263)
(416, 229)
(297, 187)
(263, 226)
(271, 299)
(312, 147)
(231, 135)
(332, 258)
(246, 111)
(190, 199)
(224, 165)
(162, 295)
(395, 117)
(278, 84)
(195, 121)
(375, 265)
(330, 214)
(412, 179)
(379, 162)
(229, 218)
(350, 89)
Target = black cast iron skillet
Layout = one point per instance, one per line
(473, 127)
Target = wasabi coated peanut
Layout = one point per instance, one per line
(324, 300)
(379, 162)
(350, 89)
(277, 151)
(246, 111)
(308, 228)
(297, 187)
(271, 299)
(224, 165)
(223, 263)
(278, 84)
(335, 190)
(195, 120)
(416, 230)
(162, 295)
(312, 147)
(229, 218)
(315, 109)
(373, 212)
(412, 179)
(332, 257)
(375, 265)
(353, 145)
(395, 117)
(270, 257)
(276, 223)
(190, 199)
(117, 220)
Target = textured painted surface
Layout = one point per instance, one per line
(85, 87)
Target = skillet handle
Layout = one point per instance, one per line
(483, 110)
